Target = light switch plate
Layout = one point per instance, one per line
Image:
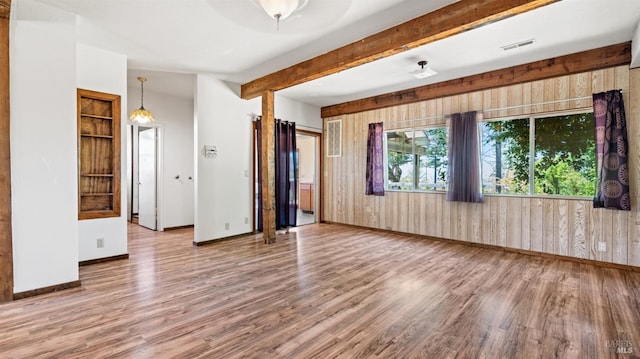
(210, 151)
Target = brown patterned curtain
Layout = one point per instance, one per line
(463, 184)
(612, 189)
(375, 172)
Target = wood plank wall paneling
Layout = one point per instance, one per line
(568, 227)
(6, 252)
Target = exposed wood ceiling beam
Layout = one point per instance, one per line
(445, 22)
(600, 58)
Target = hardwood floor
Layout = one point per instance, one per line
(326, 291)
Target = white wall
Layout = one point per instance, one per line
(175, 115)
(635, 48)
(307, 117)
(224, 188)
(223, 184)
(43, 146)
(105, 71)
(307, 161)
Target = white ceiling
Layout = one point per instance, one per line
(169, 40)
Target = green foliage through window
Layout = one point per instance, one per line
(505, 156)
(564, 156)
(559, 160)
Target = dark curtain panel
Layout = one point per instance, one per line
(464, 159)
(286, 176)
(612, 189)
(258, 141)
(375, 171)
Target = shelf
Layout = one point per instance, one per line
(98, 155)
(96, 116)
(96, 136)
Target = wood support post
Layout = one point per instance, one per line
(268, 168)
(6, 251)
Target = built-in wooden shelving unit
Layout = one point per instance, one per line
(98, 155)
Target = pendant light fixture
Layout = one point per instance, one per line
(141, 115)
(281, 9)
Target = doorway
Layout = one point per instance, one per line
(144, 160)
(309, 156)
(308, 177)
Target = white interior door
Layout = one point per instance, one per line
(147, 193)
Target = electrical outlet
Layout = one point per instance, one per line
(226, 226)
(246, 220)
(246, 173)
(602, 246)
(100, 242)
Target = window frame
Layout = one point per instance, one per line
(532, 131)
(416, 178)
(531, 117)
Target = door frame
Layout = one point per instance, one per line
(132, 166)
(318, 177)
(6, 241)
(318, 171)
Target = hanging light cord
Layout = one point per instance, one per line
(142, 80)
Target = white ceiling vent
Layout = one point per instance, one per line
(334, 138)
(518, 44)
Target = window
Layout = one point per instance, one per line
(563, 161)
(431, 148)
(505, 156)
(399, 160)
(565, 157)
(551, 155)
(416, 159)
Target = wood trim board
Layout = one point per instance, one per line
(6, 241)
(604, 57)
(103, 260)
(45, 290)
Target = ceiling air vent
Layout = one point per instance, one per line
(518, 44)
(334, 138)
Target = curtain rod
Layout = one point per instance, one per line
(503, 108)
(538, 104)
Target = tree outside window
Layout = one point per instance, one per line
(564, 157)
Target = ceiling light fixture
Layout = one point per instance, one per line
(423, 71)
(281, 9)
(141, 115)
